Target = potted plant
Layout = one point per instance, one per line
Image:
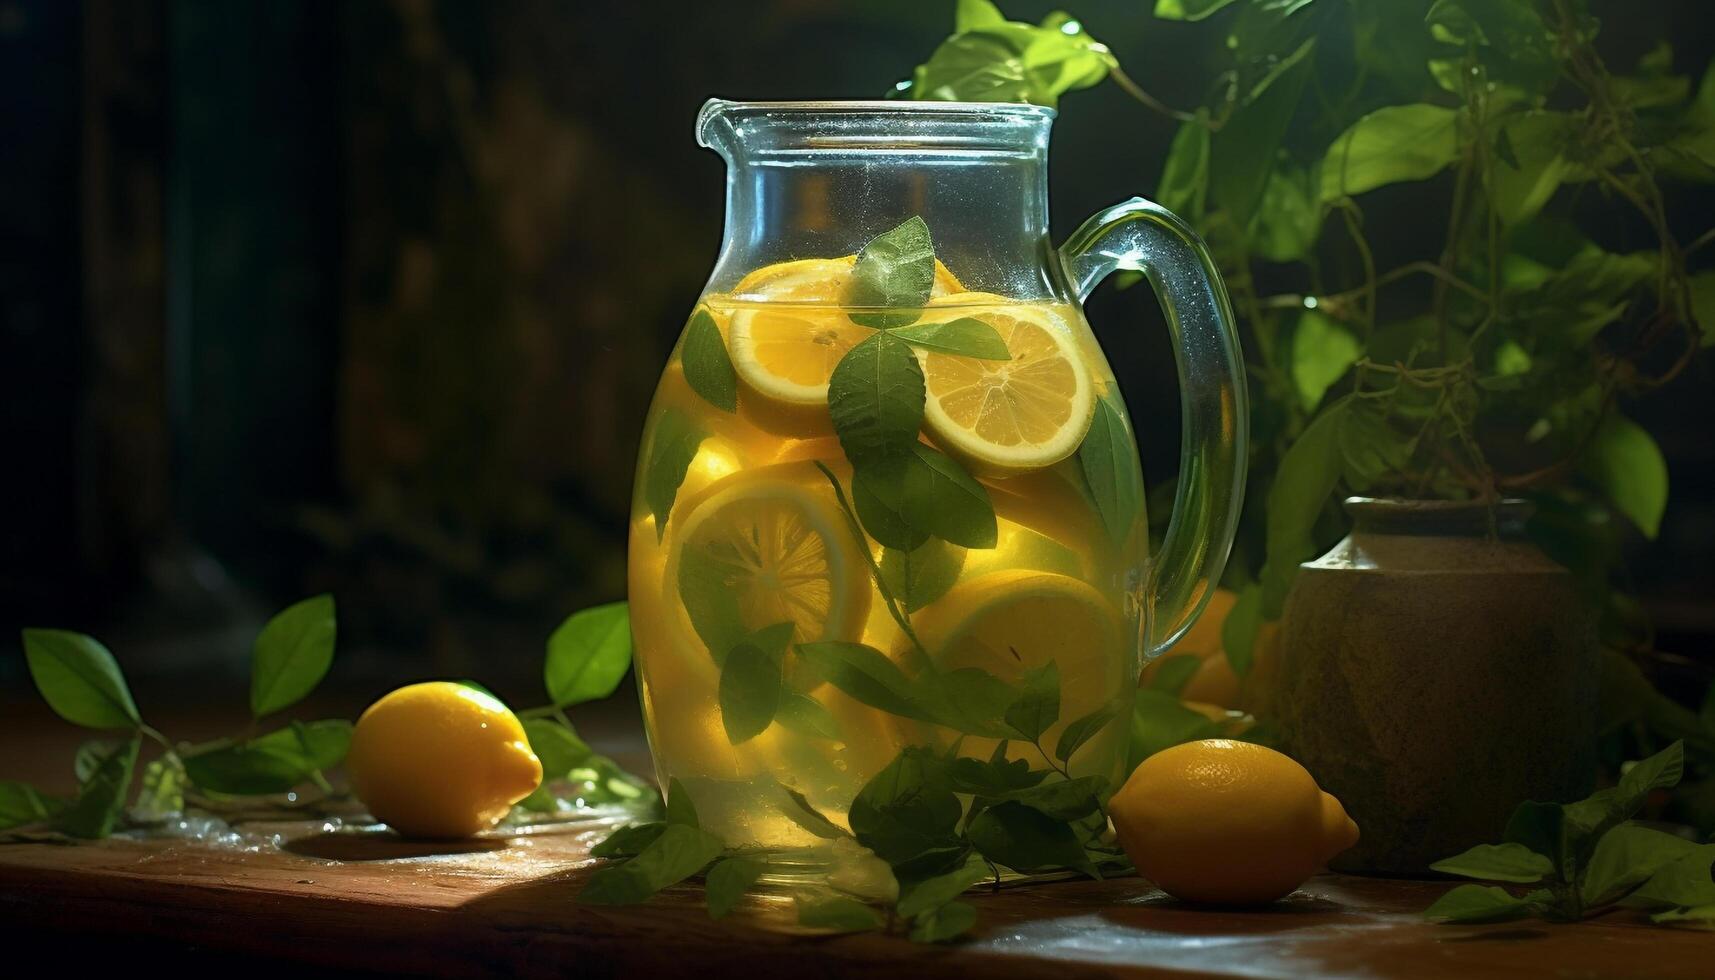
(1488, 366)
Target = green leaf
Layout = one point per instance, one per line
(804, 715)
(966, 336)
(1302, 484)
(1081, 730)
(1159, 721)
(906, 809)
(1388, 146)
(971, 15)
(588, 654)
(1626, 857)
(1187, 9)
(837, 914)
(21, 804)
(944, 924)
(971, 700)
(875, 397)
(1626, 463)
(1174, 672)
(1013, 62)
(1108, 458)
(1322, 351)
(894, 275)
(629, 841)
(708, 368)
(79, 679)
(933, 892)
(1244, 151)
(681, 809)
(559, 748)
(292, 654)
(867, 675)
(678, 853)
(1497, 862)
(1514, 45)
(1538, 827)
(1239, 631)
(923, 574)
(1702, 917)
(727, 882)
(1583, 823)
(750, 690)
(1477, 903)
(271, 763)
(1540, 140)
(163, 790)
(1184, 186)
(993, 778)
(672, 446)
(1288, 219)
(1062, 799)
(1687, 880)
(905, 498)
(1024, 838)
(1038, 705)
(101, 799)
(799, 810)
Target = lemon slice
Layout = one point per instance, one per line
(1013, 416)
(1008, 622)
(785, 346)
(767, 546)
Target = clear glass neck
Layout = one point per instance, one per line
(820, 179)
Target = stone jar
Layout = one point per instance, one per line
(1438, 669)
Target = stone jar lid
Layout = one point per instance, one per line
(1504, 518)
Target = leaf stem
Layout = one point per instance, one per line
(893, 605)
(1129, 86)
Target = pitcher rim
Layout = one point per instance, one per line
(998, 111)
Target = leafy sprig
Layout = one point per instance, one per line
(1586, 857)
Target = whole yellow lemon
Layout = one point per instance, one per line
(1227, 823)
(440, 760)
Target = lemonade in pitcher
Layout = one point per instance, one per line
(888, 525)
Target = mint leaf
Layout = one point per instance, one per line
(750, 690)
(710, 601)
(588, 654)
(727, 882)
(271, 763)
(708, 368)
(1108, 458)
(292, 654)
(1024, 838)
(923, 574)
(1187, 9)
(1626, 857)
(940, 925)
(894, 273)
(1081, 730)
(559, 748)
(1239, 631)
(1702, 917)
(967, 336)
(1583, 823)
(672, 446)
(993, 778)
(1498, 862)
(79, 679)
(629, 841)
(867, 675)
(1538, 827)
(1038, 705)
(21, 804)
(1174, 672)
(1687, 880)
(1624, 460)
(973, 701)
(875, 397)
(970, 15)
(837, 914)
(1480, 903)
(906, 809)
(681, 809)
(101, 798)
(799, 810)
(804, 715)
(933, 892)
(918, 493)
(1062, 799)
(1013, 62)
(1390, 145)
(678, 853)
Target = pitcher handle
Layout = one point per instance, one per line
(1146, 237)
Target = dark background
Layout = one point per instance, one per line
(370, 298)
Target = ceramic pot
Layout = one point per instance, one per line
(1438, 669)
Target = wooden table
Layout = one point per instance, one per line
(504, 907)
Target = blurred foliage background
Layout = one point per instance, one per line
(370, 298)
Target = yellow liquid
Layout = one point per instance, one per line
(1057, 586)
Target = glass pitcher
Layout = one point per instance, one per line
(888, 510)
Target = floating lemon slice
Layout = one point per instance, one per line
(1008, 622)
(761, 547)
(785, 345)
(1008, 417)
